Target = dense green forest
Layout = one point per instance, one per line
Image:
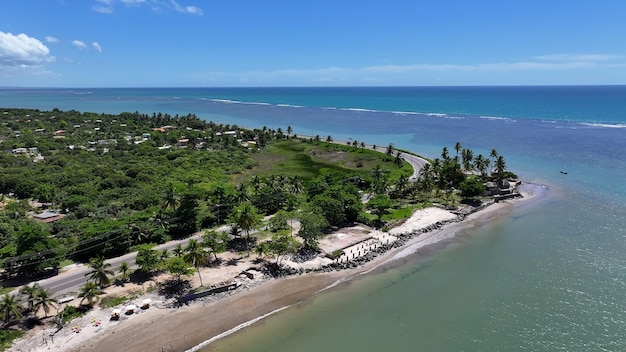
(123, 180)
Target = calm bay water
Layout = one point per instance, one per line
(547, 277)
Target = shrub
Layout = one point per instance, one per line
(70, 313)
(112, 301)
(7, 337)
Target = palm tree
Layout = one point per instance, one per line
(398, 160)
(457, 148)
(137, 232)
(164, 254)
(436, 167)
(124, 269)
(261, 249)
(467, 157)
(100, 272)
(500, 167)
(28, 293)
(296, 184)
(500, 164)
(219, 193)
(171, 199)
(401, 185)
(89, 292)
(45, 301)
(426, 178)
(279, 182)
(160, 219)
(215, 242)
(10, 307)
(247, 218)
(444, 153)
(493, 155)
(178, 250)
(380, 180)
(377, 173)
(195, 255)
(480, 163)
(242, 193)
(389, 151)
(426, 172)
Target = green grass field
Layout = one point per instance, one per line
(309, 160)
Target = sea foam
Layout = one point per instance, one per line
(233, 330)
(496, 118)
(603, 125)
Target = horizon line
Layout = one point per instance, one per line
(313, 86)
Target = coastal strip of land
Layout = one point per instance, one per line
(163, 328)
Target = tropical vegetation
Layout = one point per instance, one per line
(112, 184)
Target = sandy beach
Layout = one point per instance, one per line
(160, 328)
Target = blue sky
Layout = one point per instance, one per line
(146, 43)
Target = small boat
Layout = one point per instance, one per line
(564, 172)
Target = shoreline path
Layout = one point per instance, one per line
(70, 280)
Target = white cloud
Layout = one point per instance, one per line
(133, 2)
(22, 51)
(487, 67)
(79, 44)
(51, 39)
(384, 73)
(97, 46)
(108, 6)
(187, 9)
(107, 10)
(577, 57)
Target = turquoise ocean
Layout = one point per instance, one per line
(549, 276)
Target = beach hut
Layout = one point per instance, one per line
(131, 309)
(145, 304)
(115, 314)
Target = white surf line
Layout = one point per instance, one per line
(234, 330)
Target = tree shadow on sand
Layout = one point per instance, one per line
(233, 261)
(215, 263)
(258, 260)
(173, 288)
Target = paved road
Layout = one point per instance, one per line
(72, 279)
(416, 162)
